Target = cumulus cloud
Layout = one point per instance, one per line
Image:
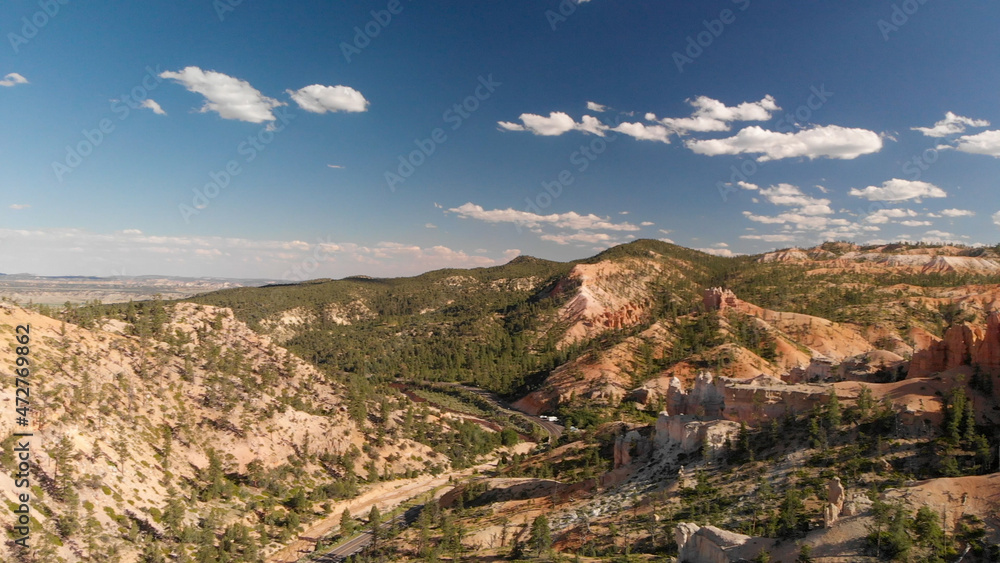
(911, 223)
(230, 97)
(725, 252)
(713, 115)
(791, 196)
(899, 190)
(556, 123)
(151, 104)
(951, 124)
(957, 213)
(769, 238)
(987, 142)
(996, 218)
(884, 215)
(13, 79)
(577, 237)
(939, 237)
(830, 141)
(594, 106)
(321, 99)
(645, 132)
(569, 220)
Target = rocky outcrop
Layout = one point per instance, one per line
(606, 296)
(719, 299)
(963, 345)
(625, 444)
(708, 544)
(739, 400)
(688, 434)
(835, 494)
(987, 353)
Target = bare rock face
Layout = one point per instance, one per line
(719, 299)
(705, 397)
(835, 494)
(623, 448)
(856, 505)
(962, 345)
(987, 354)
(708, 544)
(740, 400)
(689, 434)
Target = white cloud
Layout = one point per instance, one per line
(577, 237)
(594, 106)
(230, 97)
(644, 132)
(882, 216)
(996, 218)
(747, 185)
(665, 231)
(430, 226)
(957, 213)
(725, 252)
(830, 141)
(912, 223)
(151, 104)
(769, 238)
(336, 166)
(13, 79)
(792, 196)
(987, 142)
(938, 237)
(899, 190)
(590, 124)
(669, 241)
(569, 220)
(951, 125)
(321, 99)
(19, 206)
(556, 123)
(713, 115)
(646, 224)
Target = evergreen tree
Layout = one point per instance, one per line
(541, 535)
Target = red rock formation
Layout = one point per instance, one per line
(719, 299)
(987, 353)
(963, 345)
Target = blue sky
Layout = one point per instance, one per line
(390, 138)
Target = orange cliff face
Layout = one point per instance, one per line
(963, 345)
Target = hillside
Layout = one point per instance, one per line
(708, 403)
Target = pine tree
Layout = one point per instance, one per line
(541, 535)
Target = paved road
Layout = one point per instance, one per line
(554, 430)
(358, 543)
